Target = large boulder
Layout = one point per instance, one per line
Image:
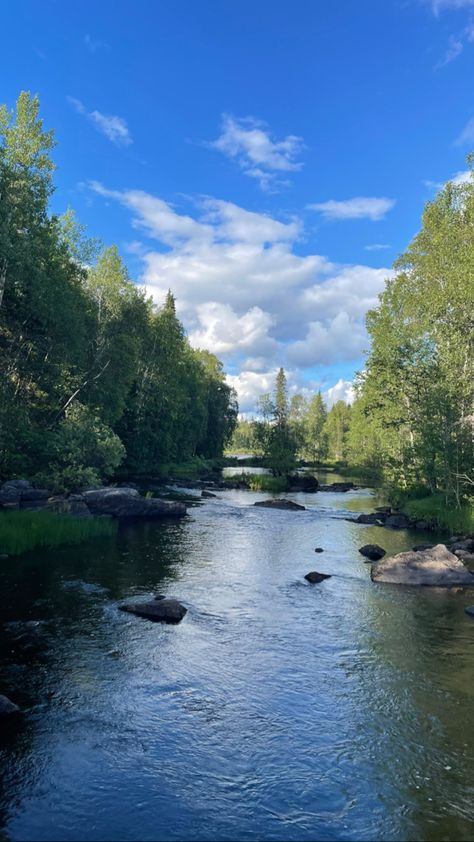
(372, 551)
(127, 503)
(7, 707)
(159, 610)
(275, 503)
(301, 482)
(314, 577)
(436, 566)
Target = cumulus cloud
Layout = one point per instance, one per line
(221, 329)
(343, 390)
(114, 128)
(361, 207)
(244, 292)
(258, 154)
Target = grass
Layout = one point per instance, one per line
(260, 482)
(435, 510)
(23, 531)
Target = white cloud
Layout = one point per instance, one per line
(361, 207)
(248, 141)
(343, 390)
(114, 128)
(377, 246)
(460, 177)
(467, 134)
(250, 385)
(243, 291)
(93, 44)
(221, 329)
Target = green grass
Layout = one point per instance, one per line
(435, 510)
(260, 482)
(23, 531)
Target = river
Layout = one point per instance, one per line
(277, 710)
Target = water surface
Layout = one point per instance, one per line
(275, 710)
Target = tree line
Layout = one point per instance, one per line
(412, 421)
(289, 430)
(94, 377)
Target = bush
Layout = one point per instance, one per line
(83, 452)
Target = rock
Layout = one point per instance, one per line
(298, 482)
(467, 544)
(436, 566)
(397, 521)
(318, 550)
(421, 524)
(7, 707)
(280, 504)
(385, 510)
(314, 577)
(372, 551)
(338, 486)
(464, 555)
(9, 496)
(126, 502)
(420, 547)
(470, 610)
(20, 484)
(374, 517)
(34, 494)
(208, 494)
(159, 610)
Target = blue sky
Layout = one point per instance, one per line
(266, 160)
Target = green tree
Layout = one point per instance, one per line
(316, 441)
(336, 430)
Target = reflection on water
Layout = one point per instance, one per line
(275, 710)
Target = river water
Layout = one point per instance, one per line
(275, 710)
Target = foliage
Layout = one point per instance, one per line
(416, 395)
(93, 375)
(274, 434)
(265, 482)
(28, 530)
(433, 509)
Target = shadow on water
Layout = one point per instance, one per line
(276, 709)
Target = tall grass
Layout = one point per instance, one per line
(29, 530)
(265, 482)
(434, 510)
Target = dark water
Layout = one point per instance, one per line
(275, 710)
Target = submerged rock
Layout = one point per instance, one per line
(318, 550)
(7, 707)
(126, 502)
(314, 577)
(280, 504)
(208, 494)
(436, 567)
(160, 610)
(372, 551)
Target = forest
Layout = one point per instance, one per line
(95, 378)
(411, 426)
